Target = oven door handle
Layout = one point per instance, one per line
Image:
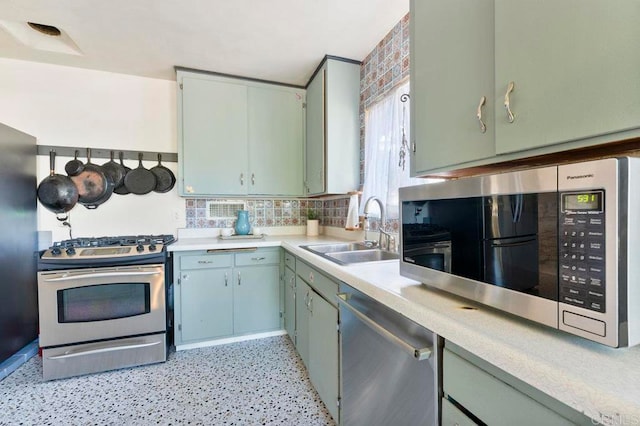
(101, 275)
(103, 350)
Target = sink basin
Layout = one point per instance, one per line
(347, 257)
(330, 248)
(349, 253)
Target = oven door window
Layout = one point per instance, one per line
(103, 302)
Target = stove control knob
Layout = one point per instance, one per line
(71, 251)
(140, 247)
(56, 251)
(152, 247)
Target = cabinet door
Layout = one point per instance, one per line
(256, 299)
(315, 130)
(574, 64)
(323, 351)
(276, 123)
(290, 303)
(451, 70)
(302, 320)
(206, 303)
(214, 137)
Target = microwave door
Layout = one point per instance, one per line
(512, 263)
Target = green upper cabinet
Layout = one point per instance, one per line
(568, 70)
(239, 137)
(575, 65)
(451, 80)
(276, 132)
(214, 143)
(332, 155)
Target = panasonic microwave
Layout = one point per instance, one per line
(557, 245)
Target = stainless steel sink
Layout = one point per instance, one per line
(347, 257)
(331, 248)
(349, 253)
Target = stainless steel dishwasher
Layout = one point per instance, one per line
(389, 365)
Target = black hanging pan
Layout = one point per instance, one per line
(122, 189)
(114, 171)
(57, 193)
(165, 179)
(140, 181)
(75, 166)
(94, 187)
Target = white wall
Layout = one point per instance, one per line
(84, 108)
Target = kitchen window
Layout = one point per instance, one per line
(387, 137)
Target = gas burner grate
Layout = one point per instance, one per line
(129, 240)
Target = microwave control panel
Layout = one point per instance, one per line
(582, 249)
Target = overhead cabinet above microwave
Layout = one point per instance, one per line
(239, 137)
(498, 80)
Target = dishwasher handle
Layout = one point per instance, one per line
(418, 353)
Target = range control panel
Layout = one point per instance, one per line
(582, 249)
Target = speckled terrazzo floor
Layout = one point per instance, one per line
(258, 382)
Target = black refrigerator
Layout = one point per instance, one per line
(18, 241)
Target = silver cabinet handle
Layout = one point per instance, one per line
(205, 261)
(258, 259)
(253, 179)
(242, 179)
(226, 279)
(483, 127)
(311, 277)
(507, 102)
(306, 299)
(291, 282)
(418, 353)
(310, 304)
(239, 279)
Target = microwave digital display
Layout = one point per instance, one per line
(584, 201)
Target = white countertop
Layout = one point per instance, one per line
(588, 377)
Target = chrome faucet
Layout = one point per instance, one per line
(381, 228)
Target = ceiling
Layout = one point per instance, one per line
(277, 40)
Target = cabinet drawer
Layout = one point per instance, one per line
(326, 287)
(204, 261)
(290, 261)
(258, 257)
(490, 399)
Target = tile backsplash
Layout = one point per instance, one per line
(262, 212)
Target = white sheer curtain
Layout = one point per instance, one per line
(383, 175)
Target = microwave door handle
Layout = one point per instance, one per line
(100, 275)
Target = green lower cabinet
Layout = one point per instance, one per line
(256, 299)
(317, 332)
(224, 294)
(290, 303)
(303, 292)
(209, 298)
(323, 351)
(494, 397)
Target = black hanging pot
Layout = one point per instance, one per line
(122, 188)
(57, 193)
(94, 187)
(140, 181)
(75, 166)
(114, 171)
(165, 179)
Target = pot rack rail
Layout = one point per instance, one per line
(69, 151)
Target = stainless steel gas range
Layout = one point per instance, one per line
(103, 304)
